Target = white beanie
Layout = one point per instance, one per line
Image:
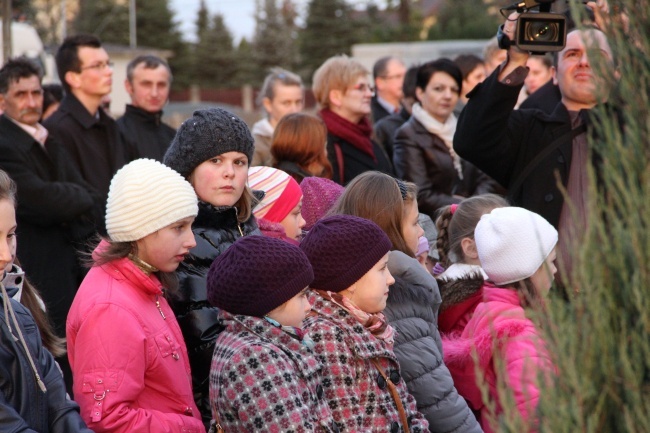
(144, 197)
(512, 243)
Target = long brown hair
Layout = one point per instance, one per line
(301, 138)
(378, 197)
(454, 227)
(30, 296)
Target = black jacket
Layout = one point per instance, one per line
(385, 130)
(23, 406)
(355, 161)
(149, 135)
(423, 158)
(378, 111)
(502, 141)
(96, 147)
(545, 98)
(215, 229)
(54, 215)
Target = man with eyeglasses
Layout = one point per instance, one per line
(54, 203)
(89, 134)
(388, 74)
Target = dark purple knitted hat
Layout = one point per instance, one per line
(257, 274)
(342, 249)
(318, 197)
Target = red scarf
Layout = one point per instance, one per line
(357, 134)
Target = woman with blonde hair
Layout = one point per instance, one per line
(342, 88)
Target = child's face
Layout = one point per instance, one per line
(294, 222)
(371, 291)
(220, 180)
(543, 278)
(7, 233)
(166, 248)
(294, 311)
(411, 230)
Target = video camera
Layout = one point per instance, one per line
(537, 31)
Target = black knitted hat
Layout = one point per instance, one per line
(257, 274)
(206, 134)
(342, 249)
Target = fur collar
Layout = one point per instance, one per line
(459, 282)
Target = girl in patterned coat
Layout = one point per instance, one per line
(353, 339)
(264, 376)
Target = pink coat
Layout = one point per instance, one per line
(498, 333)
(129, 364)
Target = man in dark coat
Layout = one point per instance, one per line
(91, 137)
(388, 75)
(148, 80)
(511, 146)
(55, 204)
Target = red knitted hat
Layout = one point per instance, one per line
(257, 274)
(281, 192)
(342, 249)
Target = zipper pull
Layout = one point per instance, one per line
(160, 309)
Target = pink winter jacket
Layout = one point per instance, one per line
(499, 333)
(129, 363)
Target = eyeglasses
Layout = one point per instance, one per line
(99, 66)
(362, 87)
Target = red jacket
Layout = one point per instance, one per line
(498, 333)
(129, 363)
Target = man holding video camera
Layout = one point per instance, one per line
(525, 150)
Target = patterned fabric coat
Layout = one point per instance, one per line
(263, 379)
(345, 348)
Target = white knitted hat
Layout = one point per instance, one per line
(512, 243)
(145, 196)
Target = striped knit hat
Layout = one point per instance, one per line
(146, 196)
(282, 192)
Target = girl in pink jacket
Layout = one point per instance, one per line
(516, 249)
(129, 363)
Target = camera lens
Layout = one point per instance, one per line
(541, 31)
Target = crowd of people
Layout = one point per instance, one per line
(367, 268)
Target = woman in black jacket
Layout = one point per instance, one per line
(343, 91)
(423, 148)
(213, 150)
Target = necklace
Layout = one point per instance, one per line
(142, 265)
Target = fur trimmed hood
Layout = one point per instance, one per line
(459, 282)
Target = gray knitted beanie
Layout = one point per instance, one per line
(206, 134)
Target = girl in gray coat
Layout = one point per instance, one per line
(413, 301)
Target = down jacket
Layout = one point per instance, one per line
(215, 229)
(23, 406)
(412, 309)
(263, 379)
(499, 333)
(345, 349)
(129, 362)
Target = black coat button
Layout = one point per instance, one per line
(394, 427)
(319, 391)
(548, 197)
(560, 159)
